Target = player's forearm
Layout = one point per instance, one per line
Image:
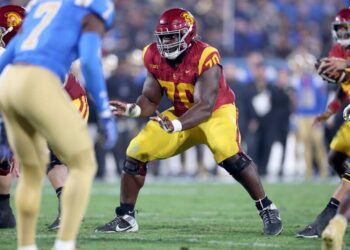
(147, 106)
(198, 113)
(92, 71)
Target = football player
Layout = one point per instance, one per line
(333, 234)
(56, 171)
(340, 146)
(189, 73)
(37, 111)
(11, 17)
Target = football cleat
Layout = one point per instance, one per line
(271, 220)
(315, 229)
(309, 232)
(125, 223)
(332, 236)
(55, 225)
(7, 219)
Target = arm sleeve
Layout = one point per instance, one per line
(89, 52)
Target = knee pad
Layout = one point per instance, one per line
(235, 164)
(338, 165)
(135, 167)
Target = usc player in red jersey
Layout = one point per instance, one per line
(11, 17)
(340, 146)
(189, 73)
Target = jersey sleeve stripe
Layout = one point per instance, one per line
(206, 52)
(144, 51)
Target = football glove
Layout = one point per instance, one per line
(125, 109)
(166, 124)
(109, 131)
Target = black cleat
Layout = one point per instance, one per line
(272, 221)
(7, 219)
(315, 229)
(125, 223)
(55, 225)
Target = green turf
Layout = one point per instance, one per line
(190, 216)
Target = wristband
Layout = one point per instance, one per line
(132, 110)
(177, 125)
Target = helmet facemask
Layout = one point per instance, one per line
(174, 49)
(341, 33)
(3, 33)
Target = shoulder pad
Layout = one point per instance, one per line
(103, 8)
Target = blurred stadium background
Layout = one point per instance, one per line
(268, 49)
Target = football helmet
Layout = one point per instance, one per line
(341, 27)
(175, 31)
(11, 18)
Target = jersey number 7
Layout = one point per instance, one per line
(46, 11)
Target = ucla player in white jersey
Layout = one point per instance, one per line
(37, 110)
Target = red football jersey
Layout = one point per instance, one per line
(73, 87)
(338, 51)
(77, 93)
(178, 83)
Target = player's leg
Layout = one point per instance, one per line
(223, 138)
(337, 156)
(141, 150)
(338, 162)
(68, 137)
(31, 150)
(332, 236)
(320, 151)
(132, 180)
(57, 174)
(7, 219)
(52, 113)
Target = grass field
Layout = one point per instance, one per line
(190, 216)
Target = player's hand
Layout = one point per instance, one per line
(332, 64)
(164, 122)
(322, 117)
(120, 108)
(110, 133)
(332, 69)
(346, 113)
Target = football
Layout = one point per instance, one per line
(335, 77)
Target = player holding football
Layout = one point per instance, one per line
(37, 110)
(340, 146)
(188, 71)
